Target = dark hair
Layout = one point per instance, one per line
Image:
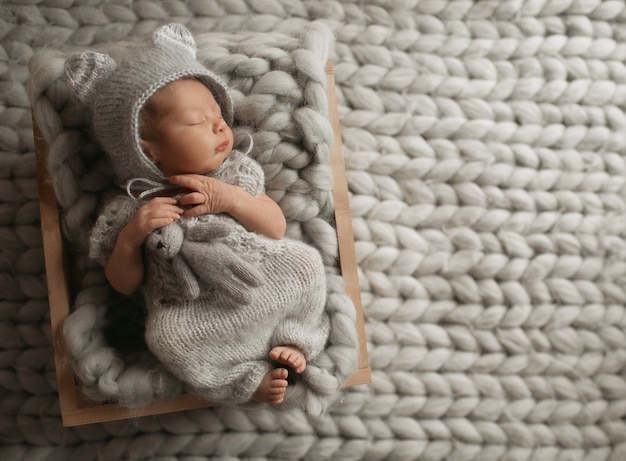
(148, 117)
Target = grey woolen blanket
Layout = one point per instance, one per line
(485, 159)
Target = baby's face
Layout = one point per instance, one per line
(189, 133)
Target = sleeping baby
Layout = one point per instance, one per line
(234, 309)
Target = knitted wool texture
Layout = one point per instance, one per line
(293, 89)
(215, 337)
(485, 154)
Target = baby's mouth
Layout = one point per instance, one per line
(222, 147)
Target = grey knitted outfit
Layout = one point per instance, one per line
(218, 297)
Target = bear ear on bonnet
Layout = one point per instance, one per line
(83, 72)
(175, 36)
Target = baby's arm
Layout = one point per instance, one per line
(124, 269)
(257, 214)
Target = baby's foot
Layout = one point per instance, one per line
(273, 387)
(290, 356)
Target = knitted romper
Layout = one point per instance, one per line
(218, 346)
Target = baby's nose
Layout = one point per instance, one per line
(219, 125)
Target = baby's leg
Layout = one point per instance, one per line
(303, 324)
(290, 356)
(273, 387)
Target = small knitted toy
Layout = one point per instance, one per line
(199, 257)
(218, 297)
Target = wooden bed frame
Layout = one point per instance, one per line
(76, 409)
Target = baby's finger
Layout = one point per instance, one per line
(189, 181)
(194, 211)
(161, 205)
(157, 223)
(174, 209)
(163, 201)
(172, 212)
(161, 216)
(193, 198)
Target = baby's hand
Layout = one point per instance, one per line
(208, 196)
(156, 213)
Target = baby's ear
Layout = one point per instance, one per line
(175, 36)
(85, 71)
(146, 147)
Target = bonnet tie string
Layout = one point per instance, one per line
(147, 187)
(250, 143)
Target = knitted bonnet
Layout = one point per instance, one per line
(115, 85)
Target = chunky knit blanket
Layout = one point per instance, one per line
(485, 154)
